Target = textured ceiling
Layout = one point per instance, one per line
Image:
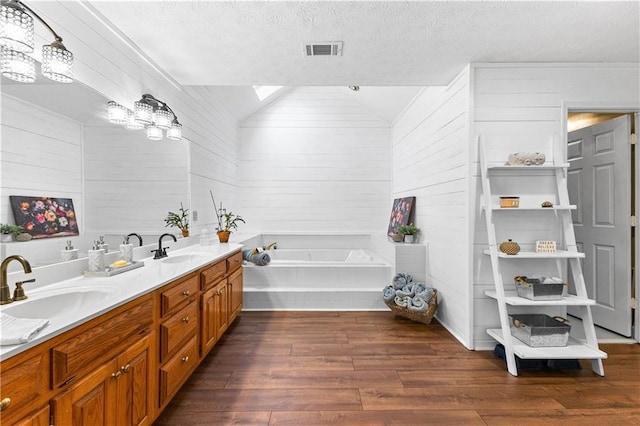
(386, 43)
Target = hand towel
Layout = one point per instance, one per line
(417, 304)
(14, 331)
(407, 290)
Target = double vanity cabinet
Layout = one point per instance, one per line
(123, 367)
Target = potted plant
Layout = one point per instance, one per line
(179, 220)
(409, 232)
(228, 222)
(10, 232)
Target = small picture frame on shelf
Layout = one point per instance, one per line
(545, 246)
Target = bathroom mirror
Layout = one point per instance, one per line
(57, 142)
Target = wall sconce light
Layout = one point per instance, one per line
(148, 113)
(16, 40)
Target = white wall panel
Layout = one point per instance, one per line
(518, 107)
(315, 161)
(430, 162)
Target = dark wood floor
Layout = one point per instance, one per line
(371, 368)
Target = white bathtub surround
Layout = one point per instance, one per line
(325, 271)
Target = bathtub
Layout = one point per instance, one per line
(324, 257)
(316, 273)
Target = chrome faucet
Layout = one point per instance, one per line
(162, 252)
(5, 294)
(133, 234)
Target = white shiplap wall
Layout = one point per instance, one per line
(41, 155)
(315, 161)
(430, 162)
(131, 182)
(519, 107)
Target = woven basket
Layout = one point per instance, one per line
(422, 317)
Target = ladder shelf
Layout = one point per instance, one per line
(556, 170)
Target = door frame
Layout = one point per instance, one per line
(612, 107)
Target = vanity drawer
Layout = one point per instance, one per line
(94, 345)
(23, 386)
(177, 369)
(177, 328)
(178, 294)
(234, 262)
(213, 274)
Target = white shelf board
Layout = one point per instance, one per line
(502, 166)
(498, 208)
(560, 254)
(574, 349)
(512, 298)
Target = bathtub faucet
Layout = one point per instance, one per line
(271, 246)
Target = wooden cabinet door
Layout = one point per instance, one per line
(208, 326)
(222, 308)
(133, 392)
(214, 316)
(91, 401)
(39, 418)
(235, 295)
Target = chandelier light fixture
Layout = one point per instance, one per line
(16, 41)
(148, 113)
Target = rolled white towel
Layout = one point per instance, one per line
(14, 331)
(402, 301)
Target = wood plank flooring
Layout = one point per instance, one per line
(371, 368)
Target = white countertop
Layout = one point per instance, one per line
(121, 289)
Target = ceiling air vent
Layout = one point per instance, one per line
(327, 48)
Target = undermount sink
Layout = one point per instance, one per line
(61, 302)
(183, 258)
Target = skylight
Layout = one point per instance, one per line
(263, 92)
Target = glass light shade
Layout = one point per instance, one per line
(57, 63)
(143, 112)
(118, 114)
(17, 66)
(132, 123)
(162, 118)
(154, 133)
(175, 132)
(16, 27)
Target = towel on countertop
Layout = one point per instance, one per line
(400, 280)
(14, 331)
(260, 259)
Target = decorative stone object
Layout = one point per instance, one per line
(23, 236)
(509, 247)
(526, 159)
(547, 204)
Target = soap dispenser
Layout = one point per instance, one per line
(96, 258)
(104, 246)
(126, 251)
(68, 253)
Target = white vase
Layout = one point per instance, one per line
(409, 239)
(6, 238)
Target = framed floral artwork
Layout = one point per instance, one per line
(45, 217)
(401, 213)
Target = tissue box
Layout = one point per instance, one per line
(539, 330)
(542, 288)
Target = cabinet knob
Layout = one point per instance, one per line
(126, 368)
(185, 358)
(186, 293)
(116, 375)
(5, 403)
(185, 320)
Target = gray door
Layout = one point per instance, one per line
(599, 184)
